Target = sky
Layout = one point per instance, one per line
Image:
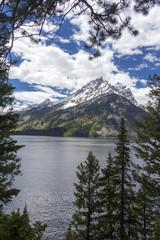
(57, 69)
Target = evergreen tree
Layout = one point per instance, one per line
(107, 197)
(85, 218)
(144, 209)
(9, 162)
(148, 149)
(123, 183)
(148, 135)
(156, 230)
(18, 227)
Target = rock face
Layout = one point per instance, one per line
(95, 110)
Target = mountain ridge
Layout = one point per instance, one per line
(97, 87)
(94, 110)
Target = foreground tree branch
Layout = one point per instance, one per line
(106, 18)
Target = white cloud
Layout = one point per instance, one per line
(149, 33)
(50, 92)
(151, 58)
(157, 64)
(141, 66)
(32, 97)
(50, 66)
(63, 40)
(141, 95)
(45, 67)
(82, 33)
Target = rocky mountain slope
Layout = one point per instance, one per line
(94, 110)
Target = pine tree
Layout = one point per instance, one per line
(9, 162)
(148, 135)
(156, 230)
(144, 209)
(85, 218)
(107, 196)
(18, 227)
(123, 183)
(148, 149)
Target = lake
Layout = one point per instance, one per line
(49, 170)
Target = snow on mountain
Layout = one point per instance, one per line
(95, 89)
(47, 102)
(91, 91)
(98, 109)
(125, 92)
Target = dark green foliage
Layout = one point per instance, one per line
(148, 136)
(148, 149)
(121, 210)
(18, 227)
(9, 162)
(145, 209)
(123, 184)
(107, 198)
(156, 230)
(84, 220)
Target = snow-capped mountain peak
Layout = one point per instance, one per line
(95, 89)
(125, 92)
(47, 103)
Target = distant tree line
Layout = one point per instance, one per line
(122, 201)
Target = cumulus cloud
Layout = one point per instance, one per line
(30, 97)
(141, 66)
(82, 33)
(151, 58)
(141, 95)
(50, 66)
(46, 67)
(25, 98)
(149, 33)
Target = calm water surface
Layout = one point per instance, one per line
(49, 170)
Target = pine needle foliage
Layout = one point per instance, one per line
(123, 184)
(145, 209)
(85, 218)
(107, 199)
(148, 137)
(148, 149)
(18, 227)
(9, 162)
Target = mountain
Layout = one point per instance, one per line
(94, 110)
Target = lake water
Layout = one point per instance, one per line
(49, 170)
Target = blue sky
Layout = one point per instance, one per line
(55, 70)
